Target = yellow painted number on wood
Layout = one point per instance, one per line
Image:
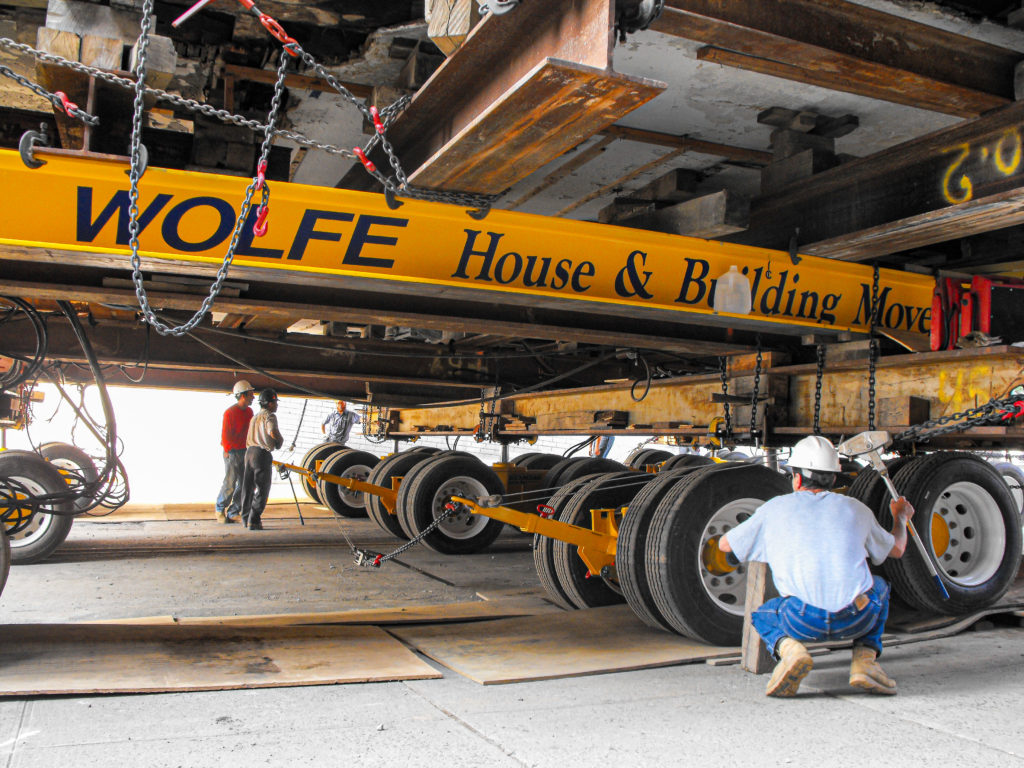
(963, 182)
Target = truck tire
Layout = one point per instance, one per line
(543, 547)
(45, 532)
(966, 516)
(699, 599)
(682, 460)
(423, 495)
(320, 452)
(5, 559)
(395, 465)
(76, 466)
(631, 550)
(615, 489)
(537, 461)
(869, 489)
(349, 464)
(568, 470)
(1014, 478)
(643, 457)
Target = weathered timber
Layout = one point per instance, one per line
(949, 381)
(53, 78)
(843, 73)
(954, 182)
(795, 168)
(450, 21)
(299, 82)
(619, 182)
(760, 588)
(549, 85)
(576, 162)
(713, 215)
(738, 155)
(389, 317)
(851, 48)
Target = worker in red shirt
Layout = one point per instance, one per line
(234, 428)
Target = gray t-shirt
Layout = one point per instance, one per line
(816, 544)
(339, 425)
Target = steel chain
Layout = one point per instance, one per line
(462, 199)
(190, 104)
(71, 109)
(753, 397)
(133, 209)
(972, 417)
(378, 559)
(723, 368)
(818, 374)
(872, 350)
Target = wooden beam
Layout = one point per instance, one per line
(577, 161)
(246, 308)
(850, 48)
(608, 188)
(827, 70)
(522, 90)
(954, 182)
(298, 82)
(712, 215)
(739, 155)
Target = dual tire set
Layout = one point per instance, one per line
(55, 468)
(668, 567)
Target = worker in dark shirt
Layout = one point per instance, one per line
(263, 437)
(234, 428)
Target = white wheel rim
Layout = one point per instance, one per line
(40, 522)
(729, 591)
(977, 537)
(349, 496)
(461, 525)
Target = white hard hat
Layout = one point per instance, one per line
(242, 386)
(816, 454)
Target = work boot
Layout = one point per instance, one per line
(794, 664)
(221, 517)
(256, 524)
(867, 674)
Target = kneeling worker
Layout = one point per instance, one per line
(817, 544)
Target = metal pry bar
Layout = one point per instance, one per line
(870, 444)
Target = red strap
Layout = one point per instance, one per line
(542, 513)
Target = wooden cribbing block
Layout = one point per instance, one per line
(760, 589)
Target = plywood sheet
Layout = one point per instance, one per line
(275, 510)
(45, 659)
(411, 614)
(554, 645)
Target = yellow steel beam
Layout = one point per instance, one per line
(73, 209)
(388, 496)
(597, 547)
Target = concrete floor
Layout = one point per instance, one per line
(960, 699)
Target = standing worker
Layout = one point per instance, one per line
(339, 423)
(263, 437)
(233, 431)
(817, 544)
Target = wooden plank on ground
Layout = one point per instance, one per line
(549, 646)
(56, 659)
(482, 610)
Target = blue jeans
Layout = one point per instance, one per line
(229, 500)
(791, 617)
